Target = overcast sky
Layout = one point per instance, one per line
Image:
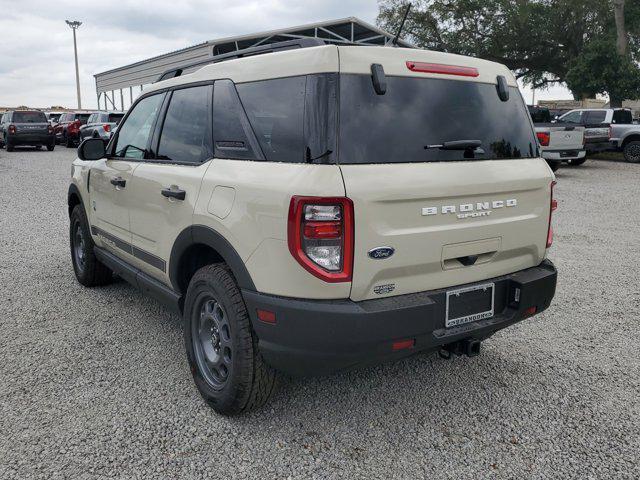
(36, 63)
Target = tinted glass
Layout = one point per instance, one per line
(416, 113)
(83, 117)
(622, 116)
(540, 115)
(186, 132)
(598, 116)
(232, 133)
(276, 109)
(573, 117)
(134, 134)
(114, 117)
(29, 117)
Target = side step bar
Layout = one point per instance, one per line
(145, 283)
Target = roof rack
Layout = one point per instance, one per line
(247, 52)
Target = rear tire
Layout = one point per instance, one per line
(632, 152)
(576, 162)
(51, 146)
(89, 271)
(222, 348)
(38, 147)
(69, 143)
(9, 147)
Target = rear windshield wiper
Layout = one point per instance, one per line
(456, 145)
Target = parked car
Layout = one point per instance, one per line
(223, 194)
(26, 127)
(68, 127)
(53, 117)
(100, 125)
(558, 142)
(597, 121)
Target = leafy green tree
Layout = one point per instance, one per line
(542, 41)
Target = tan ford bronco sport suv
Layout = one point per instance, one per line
(310, 208)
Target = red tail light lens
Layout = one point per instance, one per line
(552, 208)
(543, 138)
(107, 127)
(320, 236)
(49, 129)
(442, 69)
(12, 129)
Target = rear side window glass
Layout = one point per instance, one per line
(186, 132)
(133, 135)
(276, 111)
(232, 133)
(572, 117)
(595, 117)
(29, 117)
(115, 117)
(83, 117)
(622, 117)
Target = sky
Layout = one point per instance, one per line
(37, 66)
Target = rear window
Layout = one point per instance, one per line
(115, 117)
(414, 115)
(83, 117)
(622, 116)
(29, 117)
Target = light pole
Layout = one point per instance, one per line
(74, 26)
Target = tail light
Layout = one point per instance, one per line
(543, 138)
(442, 69)
(74, 127)
(552, 208)
(12, 129)
(320, 236)
(107, 127)
(49, 129)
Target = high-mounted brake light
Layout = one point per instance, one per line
(552, 208)
(442, 69)
(320, 236)
(543, 138)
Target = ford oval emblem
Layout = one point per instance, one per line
(380, 253)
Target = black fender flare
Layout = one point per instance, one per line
(203, 235)
(73, 190)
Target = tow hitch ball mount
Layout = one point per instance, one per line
(468, 347)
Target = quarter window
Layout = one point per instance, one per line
(133, 135)
(186, 133)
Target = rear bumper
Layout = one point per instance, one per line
(563, 155)
(31, 139)
(314, 337)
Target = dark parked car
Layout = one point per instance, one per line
(101, 125)
(26, 127)
(68, 128)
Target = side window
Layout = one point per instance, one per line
(92, 118)
(572, 117)
(593, 117)
(276, 112)
(232, 133)
(622, 117)
(186, 132)
(133, 135)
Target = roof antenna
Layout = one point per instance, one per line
(394, 42)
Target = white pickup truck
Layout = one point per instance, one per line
(561, 143)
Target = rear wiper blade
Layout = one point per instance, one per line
(456, 145)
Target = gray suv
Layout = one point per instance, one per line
(26, 127)
(100, 125)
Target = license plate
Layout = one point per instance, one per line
(469, 304)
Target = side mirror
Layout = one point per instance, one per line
(92, 149)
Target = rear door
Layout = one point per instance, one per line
(30, 125)
(110, 188)
(164, 189)
(566, 138)
(450, 216)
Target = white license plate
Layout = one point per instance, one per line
(470, 304)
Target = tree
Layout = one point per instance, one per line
(542, 41)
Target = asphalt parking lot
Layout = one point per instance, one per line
(94, 383)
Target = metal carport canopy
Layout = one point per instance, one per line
(346, 30)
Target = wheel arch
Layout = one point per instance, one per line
(197, 246)
(634, 137)
(73, 198)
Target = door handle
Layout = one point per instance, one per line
(174, 193)
(118, 182)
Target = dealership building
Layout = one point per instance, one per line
(116, 89)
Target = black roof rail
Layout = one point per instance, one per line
(246, 52)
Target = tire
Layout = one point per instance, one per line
(88, 269)
(9, 147)
(554, 165)
(38, 147)
(51, 146)
(222, 348)
(576, 162)
(69, 142)
(632, 152)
